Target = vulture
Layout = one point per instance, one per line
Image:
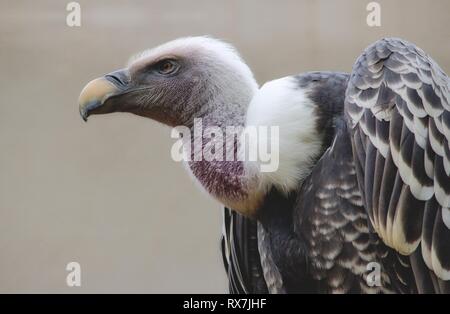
(360, 199)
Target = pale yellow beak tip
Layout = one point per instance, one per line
(94, 94)
(96, 90)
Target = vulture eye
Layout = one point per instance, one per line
(167, 67)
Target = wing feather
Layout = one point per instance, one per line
(240, 254)
(397, 105)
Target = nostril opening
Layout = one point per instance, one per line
(115, 80)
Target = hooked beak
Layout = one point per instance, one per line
(97, 96)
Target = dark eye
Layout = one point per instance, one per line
(167, 67)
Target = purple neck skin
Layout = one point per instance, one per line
(221, 178)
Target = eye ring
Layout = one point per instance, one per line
(166, 67)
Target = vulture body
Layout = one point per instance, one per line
(360, 200)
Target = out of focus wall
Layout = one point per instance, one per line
(107, 194)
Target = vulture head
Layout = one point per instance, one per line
(174, 83)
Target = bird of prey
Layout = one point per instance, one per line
(359, 202)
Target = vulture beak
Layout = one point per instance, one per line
(98, 96)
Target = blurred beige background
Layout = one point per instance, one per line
(107, 194)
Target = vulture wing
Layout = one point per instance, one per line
(240, 254)
(398, 109)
